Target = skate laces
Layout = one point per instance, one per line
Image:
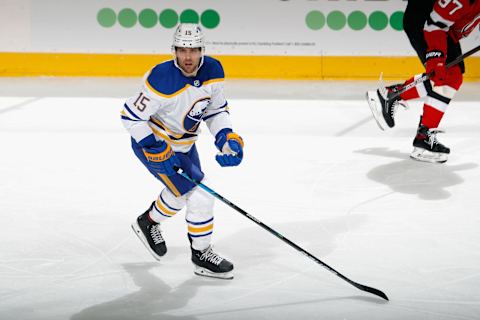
(211, 256)
(390, 93)
(156, 234)
(401, 103)
(432, 136)
(396, 104)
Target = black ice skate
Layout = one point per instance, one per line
(427, 148)
(209, 264)
(384, 103)
(149, 233)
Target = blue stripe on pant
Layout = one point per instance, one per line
(178, 185)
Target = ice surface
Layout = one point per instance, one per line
(319, 171)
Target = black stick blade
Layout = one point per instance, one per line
(372, 291)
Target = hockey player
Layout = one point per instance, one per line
(434, 28)
(163, 119)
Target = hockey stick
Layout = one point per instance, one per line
(281, 237)
(427, 76)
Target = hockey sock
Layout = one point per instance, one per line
(415, 92)
(166, 206)
(159, 213)
(431, 116)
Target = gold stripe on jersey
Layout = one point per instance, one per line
(165, 95)
(165, 128)
(170, 140)
(213, 80)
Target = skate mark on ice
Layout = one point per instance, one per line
(18, 106)
(154, 298)
(436, 315)
(55, 279)
(353, 126)
(295, 303)
(438, 301)
(343, 237)
(375, 198)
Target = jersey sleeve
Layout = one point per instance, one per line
(136, 112)
(217, 116)
(442, 17)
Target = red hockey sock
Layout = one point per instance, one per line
(431, 117)
(410, 93)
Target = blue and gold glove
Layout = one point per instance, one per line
(230, 145)
(161, 158)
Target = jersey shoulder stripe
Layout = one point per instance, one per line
(166, 80)
(211, 70)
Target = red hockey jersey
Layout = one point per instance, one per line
(458, 18)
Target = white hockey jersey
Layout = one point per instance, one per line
(171, 106)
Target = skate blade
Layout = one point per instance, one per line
(424, 155)
(141, 236)
(373, 103)
(199, 271)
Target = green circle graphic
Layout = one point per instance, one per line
(336, 20)
(106, 17)
(189, 16)
(357, 20)
(147, 18)
(168, 18)
(396, 20)
(378, 20)
(127, 18)
(210, 19)
(315, 20)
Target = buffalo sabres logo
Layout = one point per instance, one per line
(195, 115)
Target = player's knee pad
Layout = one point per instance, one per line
(443, 93)
(452, 83)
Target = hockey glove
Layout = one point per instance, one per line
(161, 158)
(436, 64)
(230, 145)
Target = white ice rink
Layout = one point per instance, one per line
(317, 169)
